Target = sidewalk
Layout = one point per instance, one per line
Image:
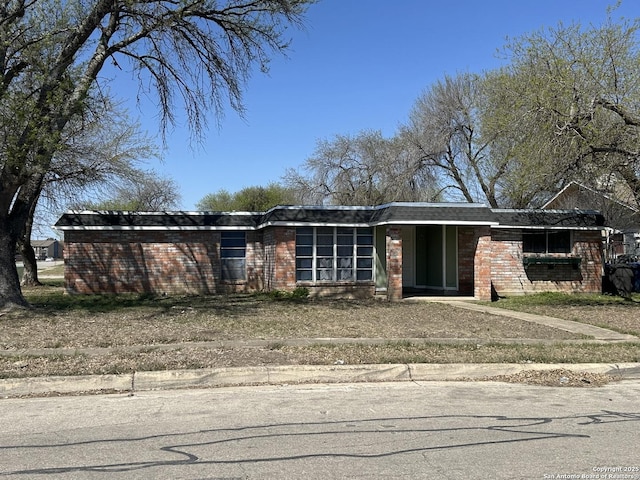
(277, 375)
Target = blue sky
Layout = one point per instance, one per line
(358, 65)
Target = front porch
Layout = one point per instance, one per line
(438, 261)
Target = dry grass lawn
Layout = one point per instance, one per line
(135, 329)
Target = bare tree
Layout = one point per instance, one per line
(196, 53)
(365, 169)
(142, 191)
(99, 152)
(445, 133)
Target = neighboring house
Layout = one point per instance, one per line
(394, 249)
(48, 248)
(622, 219)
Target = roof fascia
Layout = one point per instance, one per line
(433, 222)
(546, 227)
(311, 224)
(152, 228)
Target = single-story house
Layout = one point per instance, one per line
(49, 248)
(394, 249)
(621, 218)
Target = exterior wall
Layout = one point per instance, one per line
(175, 262)
(482, 262)
(510, 277)
(394, 264)
(467, 244)
(153, 262)
(280, 258)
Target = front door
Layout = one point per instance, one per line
(436, 257)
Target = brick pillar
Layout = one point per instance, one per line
(394, 264)
(285, 259)
(482, 264)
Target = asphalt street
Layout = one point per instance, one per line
(440, 430)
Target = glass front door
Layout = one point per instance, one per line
(436, 256)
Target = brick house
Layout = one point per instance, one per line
(621, 218)
(393, 250)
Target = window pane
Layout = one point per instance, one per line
(559, 242)
(365, 240)
(345, 274)
(345, 262)
(304, 275)
(233, 269)
(345, 251)
(324, 275)
(302, 251)
(534, 242)
(345, 236)
(324, 239)
(304, 239)
(232, 242)
(365, 251)
(345, 240)
(304, 263)
(365, 263)
(232, 253)
(325, 251)
(324, 262)
(364, 275)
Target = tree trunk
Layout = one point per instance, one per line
(30, 273)
(10, 293)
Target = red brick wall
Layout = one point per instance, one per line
(153, 262)
(510, 277)
(280, 258)
(394, 263)
(467, 243)
(482, 264)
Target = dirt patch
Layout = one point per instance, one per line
(556, 378)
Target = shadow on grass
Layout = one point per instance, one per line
(555, 299)
(51, 298)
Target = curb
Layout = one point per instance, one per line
(284, 375)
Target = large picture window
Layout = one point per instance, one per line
(334, 254)
(233, 249)
(546, 241)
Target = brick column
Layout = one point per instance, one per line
(394, 264)
(482, 264)
(285, 258)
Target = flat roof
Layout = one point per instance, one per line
(399, 213)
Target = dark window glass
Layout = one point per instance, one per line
(559, 241)
(534, 242)
(546, 241)
(233, 248)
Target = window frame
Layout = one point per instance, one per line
(335, 254)
(233, 256)
(534, 247)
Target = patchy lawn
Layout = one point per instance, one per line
(417, 332)
(614, 313)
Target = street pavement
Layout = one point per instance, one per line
(399, 430)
